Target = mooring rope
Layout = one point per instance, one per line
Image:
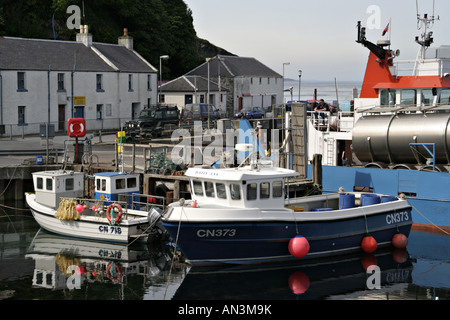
(173, 256)
(447, 233)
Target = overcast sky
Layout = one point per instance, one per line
(317, 36)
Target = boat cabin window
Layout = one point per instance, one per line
(209, 189)
(277, 189)
(220, 189)
(408, 97)
(445, 96)
(120, 184)
(427, 97)
(101, 185)
(387, 97)
(264, 190)
(39, 183)
(235, 191)
(131, 182)
(197, 186)
(49, 184)
(251, 191)
(69, 184)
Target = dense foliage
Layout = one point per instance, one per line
(158, 27)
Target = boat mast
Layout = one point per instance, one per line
(426, 40)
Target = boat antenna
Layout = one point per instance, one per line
(424, 23)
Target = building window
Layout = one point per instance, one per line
(21, 115)
(99, 111)
(21, 82)
(149, 82)
(100, 83)
(130, 82)
(61, 82)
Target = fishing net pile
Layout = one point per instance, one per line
(67, 210)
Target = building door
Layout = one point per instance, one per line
(61, 117)
(134, 110)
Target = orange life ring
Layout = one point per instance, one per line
(108, 211)
(118, 270)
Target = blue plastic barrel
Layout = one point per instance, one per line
(346, 200)
(39, 160)
(388, 199)
(368, 199)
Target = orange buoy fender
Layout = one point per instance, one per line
(400, 241)
(369, 244)
(298, 247)
(119, 210)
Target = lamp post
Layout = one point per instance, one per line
(284, 64)
(207, 96)
(299, 83)
(161, 58)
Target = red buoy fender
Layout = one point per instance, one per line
(369, 244)
(108, 211)
(399, 241)
(298, 282)
(298, 246)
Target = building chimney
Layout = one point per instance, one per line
(126, 40)
(84, 36)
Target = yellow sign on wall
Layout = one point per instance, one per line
(79, 101)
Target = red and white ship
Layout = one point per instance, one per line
(398, 122)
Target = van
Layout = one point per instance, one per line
(198, 112)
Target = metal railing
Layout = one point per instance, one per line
(60, 128)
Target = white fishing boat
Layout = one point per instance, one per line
(115, 214)
(242, 216)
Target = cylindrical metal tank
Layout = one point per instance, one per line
(387, 138)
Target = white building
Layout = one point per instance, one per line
(194, 89)
(250, 82)
(107, 84)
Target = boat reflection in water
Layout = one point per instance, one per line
(63, 263)
(78, 269)
(343, 277)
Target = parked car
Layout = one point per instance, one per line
(198, 112)
(152, 122)
(251, 113)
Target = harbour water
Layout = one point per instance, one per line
(36, 265)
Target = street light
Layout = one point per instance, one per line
(299, 83)
(284, 64)
(161, 58)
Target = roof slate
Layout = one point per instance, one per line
(38, 54)
(189, 83)
(233, 66)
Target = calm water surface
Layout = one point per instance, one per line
(38, 265)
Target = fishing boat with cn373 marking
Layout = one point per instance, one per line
(242, 216)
